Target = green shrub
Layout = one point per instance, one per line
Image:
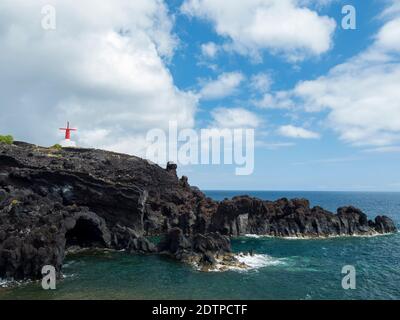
(57, 147)
(15, 202)
(6, 139)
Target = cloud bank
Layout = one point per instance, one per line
(279, 26)
(104, 69)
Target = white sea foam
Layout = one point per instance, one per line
(10, 283)
(257, 261)
(246, 262)
(256, 236)
(253, 236)
(4, 283)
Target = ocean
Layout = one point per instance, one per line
(281, 268)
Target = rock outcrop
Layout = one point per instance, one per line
(52, 200)
(204, 251)
(293, 218)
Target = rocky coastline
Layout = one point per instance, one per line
(56, 200)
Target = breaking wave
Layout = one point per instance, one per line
(11, 283)
(247, 262)
(258, 261)
(256, 236)
(4, 283)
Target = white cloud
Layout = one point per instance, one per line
(387, 149)
(392, 9)
(261, 82)
(225, 85)
(280, 26)
(275, 100)
(317, 3)
(360, 96)
(103, 69)
(274, 145)
(209, 50)
(234, 118)
(297, 132)
(388, 38)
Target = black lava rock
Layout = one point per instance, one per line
(53, 200)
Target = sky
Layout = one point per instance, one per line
(324, 100)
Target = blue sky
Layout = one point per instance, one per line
(324, 101)
(327, 163)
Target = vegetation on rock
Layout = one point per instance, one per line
(57, 147)
(8, 139)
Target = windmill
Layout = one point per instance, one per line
(67, 142)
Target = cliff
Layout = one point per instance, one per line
(53, 200)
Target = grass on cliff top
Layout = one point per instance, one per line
(6, 139)
(56, 147)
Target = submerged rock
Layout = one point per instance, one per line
(52, 200)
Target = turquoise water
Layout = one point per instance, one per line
(283, 269)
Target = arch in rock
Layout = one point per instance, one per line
(85, 234)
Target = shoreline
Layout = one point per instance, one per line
(255, 236)
(239, 266)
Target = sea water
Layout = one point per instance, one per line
(280, 268)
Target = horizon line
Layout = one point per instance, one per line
(261, 190)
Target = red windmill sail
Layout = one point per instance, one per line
(68, 131)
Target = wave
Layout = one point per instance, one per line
(12, 283)
(258, 261)
(257, 236)
(246, 262)
(4, 283)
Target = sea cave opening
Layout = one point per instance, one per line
(85, 234)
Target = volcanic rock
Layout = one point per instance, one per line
(55, 199)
